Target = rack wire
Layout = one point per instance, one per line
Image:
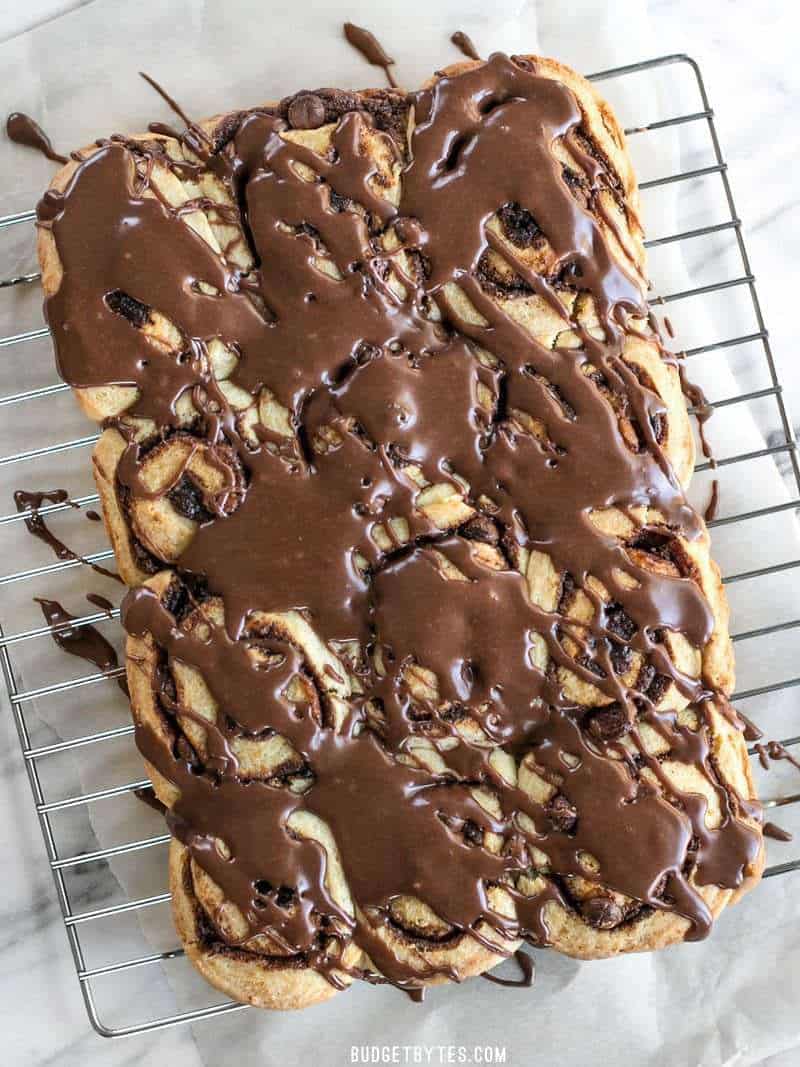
(96, 973)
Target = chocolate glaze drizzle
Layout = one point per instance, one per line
(384, 372)
(168, 100)
(23, 130)
(371, 49)
(703, 411)
(31, 501)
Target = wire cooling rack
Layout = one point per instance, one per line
(117, 922)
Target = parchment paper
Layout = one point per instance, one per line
(730, 1000)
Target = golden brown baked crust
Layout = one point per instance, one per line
(149, 534)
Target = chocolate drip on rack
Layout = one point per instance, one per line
(774, 750)
(371, 49)
(147, 796)
(100, 602)
(712, 507)
(401, 374)
(525, 980)
(465, 45)
(750, 731)
(86, 642)
(33, 499)
(29, 502)
(23, 130)
(777, 833)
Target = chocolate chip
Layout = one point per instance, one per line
(602, 913)
(137, 313)
(658, 688)
(389, 112)
(653, 541)
(571, 177)
(145, 560)
(284, 897)
(519, 226)
(481, 528)
(187, 500)
(567, 408)
(473, 834)
(621, 657)
(165, 685)
(175, 598)
(498, 284)
(566, 594)
(309, 231)
(339, 203)
(608, 724)
(659, 424)
(226, 130)
(619, 622)
(365, 353)
(419, 265)
(306, 112)
(645, 677)
(185, 751)
(561, 813)
(590, 665)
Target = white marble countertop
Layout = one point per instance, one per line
(747, 50)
